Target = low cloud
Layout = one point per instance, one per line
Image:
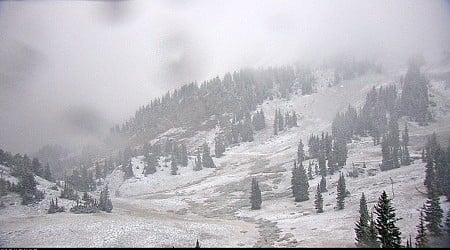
(69, 70)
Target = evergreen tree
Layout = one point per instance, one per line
(287, 120)
(275, 123)
(432, 145)
(300, 152)
(323, 185)
(442, 171)
(105, 203)
(256, 121)
(322, 164)
(47, 173)
(405, 160)
(68, 192)
(247, 129)
(198, 162)
(109, 206)
(421, 238)
(52, 208)
(262, 119)
(340, 151)
(318, 202)
(234, 133)
(408, 242)
(280, 121)
(303, 184)
(307, 85)
(37, 167)
(373, 233)
(388, 232)
(394, 141)
(168, 147)
(295, 182)
(92, 185)
(341, 192)
(386, 162)
(328, 146)
(85, 196)
(310, 175)
(414, 96)
(150, 164)
(363, 211)
(84, 184)
(98, 171)
(4, 185)
(197, 245)
(176, 153)
(313, 144)
(219, 147)
(433, 212)
(364, 237)
(207, 160)
(173, 167)
(105, 170)
(447, 221)
(299, 183)
(331, 164)
(255, 197)
(184, 156)
(430, 176)
(27, 186)
(128, 169)
(294, 119)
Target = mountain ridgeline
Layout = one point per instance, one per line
(227, 101)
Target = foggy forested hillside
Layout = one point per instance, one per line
(240, 124)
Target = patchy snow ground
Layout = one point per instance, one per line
(212, 205)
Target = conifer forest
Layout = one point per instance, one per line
(204, 123)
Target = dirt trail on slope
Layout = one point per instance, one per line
(217, 209)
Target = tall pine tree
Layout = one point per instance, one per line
(299, 183)
(388, 232)
(300, 152)
(447, 221)
(421, 237)
(207, 160)
(184, 156)
(105, 203)
(433, 213)
(173, 167)
(150, 164)
(323, 185)
(198, 162)
(318, 202)
(275, 123)
(365, 235)
(322, 163)
(341, 192)
(405, 160)
(386, 161)
(255, 197)
(394, 140)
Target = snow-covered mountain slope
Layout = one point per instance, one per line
(212, 205)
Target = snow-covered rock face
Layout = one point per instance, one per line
(212, 205)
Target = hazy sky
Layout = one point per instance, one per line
(69, 70)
